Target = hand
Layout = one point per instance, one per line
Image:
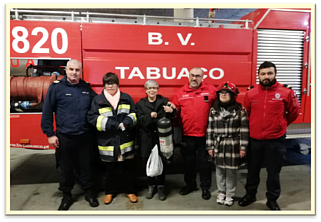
(53, 141)
(121, 126)
(168, 109)
(153, 115)
(242, 153)
(171, 105)
(211, 153)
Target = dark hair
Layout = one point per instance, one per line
(231, 106)
(266, 64)
(110, 78)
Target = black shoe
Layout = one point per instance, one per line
(187, 189)
(246, 200)
(66, 202)
(206, 194)
(273, 205)
(89, 196)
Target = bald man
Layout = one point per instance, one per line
(70, 100)
(193, 102)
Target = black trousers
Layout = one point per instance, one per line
(159, 180)
(272, 153)
(120, 175)
(194, 151)
(74, 155)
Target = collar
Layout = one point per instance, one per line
(158, 102)
(69, 83)
(189, 89)
(231, 113)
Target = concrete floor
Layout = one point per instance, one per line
(34, 183)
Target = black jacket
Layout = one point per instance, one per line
(70, 103)
(147, 126)
(112, 141)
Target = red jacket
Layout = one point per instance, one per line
(193, 106)
(270, 110)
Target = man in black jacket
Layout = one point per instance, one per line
(70, 100)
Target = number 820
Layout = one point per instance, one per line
(38, 46)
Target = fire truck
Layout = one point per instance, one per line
(139, 47)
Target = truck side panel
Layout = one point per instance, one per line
(165, 54)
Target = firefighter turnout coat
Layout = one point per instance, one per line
(114, 144)
(270, 110)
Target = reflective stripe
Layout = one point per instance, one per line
(123, 111)
(107, 114)
(123, 108)
(106, 153)
(106, 111)
(126, 147)
(101, 123)
(98, 124)
(106, 150)
(133, 117)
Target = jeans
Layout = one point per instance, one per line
(226, 180)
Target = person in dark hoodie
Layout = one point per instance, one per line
(149, 110)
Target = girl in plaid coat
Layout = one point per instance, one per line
(227, 140)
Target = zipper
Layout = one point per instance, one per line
(264, 113)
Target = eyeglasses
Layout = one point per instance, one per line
(195, 76)
(154, 88)
(224, 93)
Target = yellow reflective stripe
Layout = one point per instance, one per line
(133, 115)
(104, 110)
(106, 148)
(98, 124)
(125, 145)
(124, 106)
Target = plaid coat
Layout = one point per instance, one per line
(227, 136)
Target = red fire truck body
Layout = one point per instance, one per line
(137, 53)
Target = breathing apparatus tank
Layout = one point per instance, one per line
(165, 133)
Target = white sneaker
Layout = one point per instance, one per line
(228, 201)
(220, 198)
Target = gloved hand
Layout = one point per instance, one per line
(121, 126)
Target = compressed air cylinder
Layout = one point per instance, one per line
(165, 133)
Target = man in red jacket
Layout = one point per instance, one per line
(193, 101)
(271, 107)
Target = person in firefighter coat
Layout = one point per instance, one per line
(113, 114)
(149, 110)
(271, 107)
(227, 140)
